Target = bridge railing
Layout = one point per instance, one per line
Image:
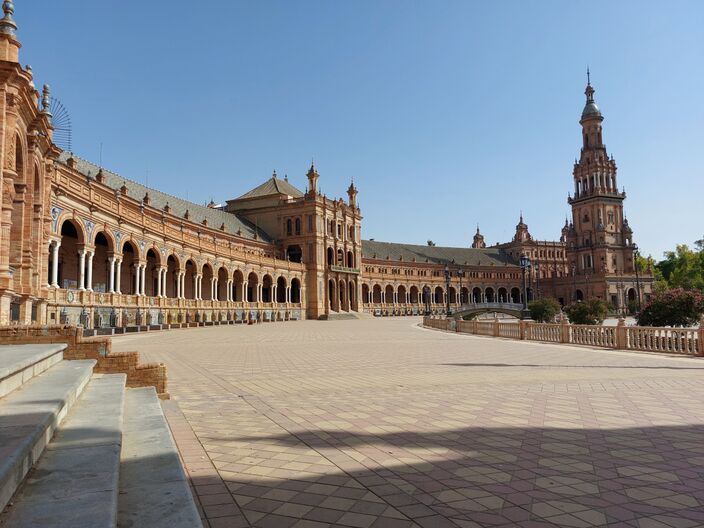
(688, 341)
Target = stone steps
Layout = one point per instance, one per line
(20, 363)
(154, 491)
(75, 483)
(30, 415)
(78, 449)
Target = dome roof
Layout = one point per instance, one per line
(591, 109)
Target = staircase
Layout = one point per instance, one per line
(79, 449)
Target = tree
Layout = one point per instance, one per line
(684, 267)
(431, 243)
(676, 307)
(544, 310)
(591, 312)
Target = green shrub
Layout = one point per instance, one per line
(676, 307)
(592, 312)
(544, 310)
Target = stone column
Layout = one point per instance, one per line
(244, 292)
(158, 282)
(214, 289)
(178, 285)
(195, 286)
(81, 269)
(143, 280)
(136, 278)
(55, 264)
(118, 275)
(111, 275)
(89, 275)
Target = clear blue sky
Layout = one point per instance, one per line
(445, 113)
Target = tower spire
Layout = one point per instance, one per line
(9, 45)
(589, 81)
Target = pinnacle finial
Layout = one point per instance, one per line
(274, 174)
(521, 218)
(46, 100)
(589, 79)
(7, 24)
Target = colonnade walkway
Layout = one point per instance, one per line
(379, 423)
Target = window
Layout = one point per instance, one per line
(298, 226)
(288, 227)
(310, 223)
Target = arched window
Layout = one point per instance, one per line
(298, 226)
(288, 227)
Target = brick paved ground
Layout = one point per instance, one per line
(378, 423)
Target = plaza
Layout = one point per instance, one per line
(381, 423)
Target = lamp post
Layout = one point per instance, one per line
(536, 275)
(525, 265)
(636, 254)
(426, 293)
(574, 282)
(447, 291)
(460, 274)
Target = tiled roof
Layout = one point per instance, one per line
(271, 187)
(371, 249)
(197, 213)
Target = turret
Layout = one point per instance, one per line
(352, 193)
(9, 45)
(478, 242)
(313, 179)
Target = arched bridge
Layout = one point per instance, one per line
(513, 309)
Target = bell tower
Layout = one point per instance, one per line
(599, 241)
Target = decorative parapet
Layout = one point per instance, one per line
(687, 341)
(343, 269)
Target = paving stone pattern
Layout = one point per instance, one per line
(379, 423)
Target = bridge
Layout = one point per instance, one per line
(471, 309)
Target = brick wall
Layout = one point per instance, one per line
(98, 348)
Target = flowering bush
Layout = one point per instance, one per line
(591, 312)
(676, 307)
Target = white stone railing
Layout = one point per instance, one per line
(689, 341)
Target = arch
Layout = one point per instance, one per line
(389, 294)
(342, 295)
(72, 239)
(503, 295)
(223, 279)
(438, 297)
(151, 275)
(101, 265)
(295, 291)
(477, 296)
(352, 295)
(365, 294)
(267, 288)
(579, 295)
(331, 256)
(206, 281)
(281, 289)
(294, 253)
(401, 294)
(350, 259)
(172, 272)
(340, 258)
(452, 295)
(252, 287)
(414, 295)
(332, 295)
(464, 295)
(238, 294)
(489, 295)
(515, 295)
(376, 294)
(128, 269)
(631, 295)
(189, 279)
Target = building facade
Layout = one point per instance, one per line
(83, 245)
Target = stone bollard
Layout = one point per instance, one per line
(621, 334)
(523, 326)
(700, 352)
